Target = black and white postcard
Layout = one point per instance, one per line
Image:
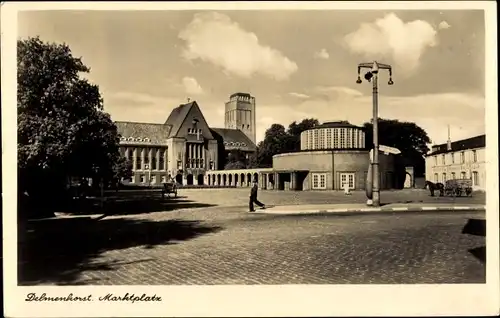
(250, 159)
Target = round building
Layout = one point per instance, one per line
(331, 155)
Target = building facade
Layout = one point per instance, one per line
(332, 154)
(184, 147)
(463, 159)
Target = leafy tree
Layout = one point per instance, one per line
(62, 129)
(236, 159)
(122, 168)
(295, 129)
(408, 137)
(280, 140)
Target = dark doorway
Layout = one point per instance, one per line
(224, 178)
(200, 179)
(218, 179)
(301, 176)
(189, 179)
(178, 178)
(249, 179)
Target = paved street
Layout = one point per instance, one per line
(224, 245)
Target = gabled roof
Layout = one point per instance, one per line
(234, 139)
(132, 132)
(464, 144)
(177, 117)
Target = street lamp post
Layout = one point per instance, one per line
(372, 75)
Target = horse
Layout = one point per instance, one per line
(435, 186)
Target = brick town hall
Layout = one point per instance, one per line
(185, 147)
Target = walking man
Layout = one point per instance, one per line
(253, 197)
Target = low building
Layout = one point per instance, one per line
(462, 159)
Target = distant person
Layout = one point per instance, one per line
(253, 197)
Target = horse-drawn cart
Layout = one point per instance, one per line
(169, 188)
(458, 187)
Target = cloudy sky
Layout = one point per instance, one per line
(296, 63)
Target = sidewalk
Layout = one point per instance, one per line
(359, 207)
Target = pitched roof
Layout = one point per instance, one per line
(132, 132)
(234, 139)
(177, 117)
(337, 124)
(464, 144)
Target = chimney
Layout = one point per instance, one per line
(448, 143)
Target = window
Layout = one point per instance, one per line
(153, 179)
(443, 159)
(463, 175)
(163, 179)
(329, 138)
(162, 161)
(316, 139)
(347, 178)
(319, 180)
(435, 160)
(342, 138)
(462, 157)
(436, 178)
(143, 179)
(146, 156)
(474, 155)
(138, 159)
(444, 177)
(335, 138)
(452, 157)
(153, 160)
(132, 179)
(453, 175)
(475, 178)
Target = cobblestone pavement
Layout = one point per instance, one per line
(242, 248)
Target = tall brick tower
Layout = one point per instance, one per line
(240, 114)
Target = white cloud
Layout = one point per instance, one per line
(299, 95)
(140, 107)
(191, 86)
(339, 91)
(322, 54)
(215, 38)
(443, 25)
(392, 39)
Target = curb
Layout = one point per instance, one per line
(380, 209)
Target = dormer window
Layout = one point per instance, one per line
(243, 144)
(130, 138)
(147, 140)
(138, 139)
